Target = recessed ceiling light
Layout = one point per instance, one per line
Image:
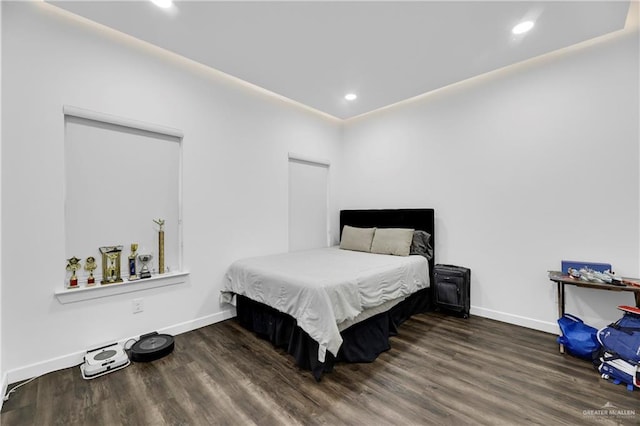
(162, 3)
(351, 96)
(522, 27)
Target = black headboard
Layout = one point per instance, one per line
(420, 219)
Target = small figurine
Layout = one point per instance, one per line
(111, 267)
(73, 266)
(90, 265)
(111, 264)
(160, 223)
(132, 262)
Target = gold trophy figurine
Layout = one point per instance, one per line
(73, 266)
(132, 262)
(160, 223)
(90, 265)
(111, 264)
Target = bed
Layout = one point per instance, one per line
(333, 305)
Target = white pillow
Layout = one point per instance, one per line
(358, 239)
(396, 241)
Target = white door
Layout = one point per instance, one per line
(308, 227)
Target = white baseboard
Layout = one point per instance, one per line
(44, 367)
(4, 384)
(198, 322)
(76, 358)
(548, 327)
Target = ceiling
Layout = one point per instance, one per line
(315, 52)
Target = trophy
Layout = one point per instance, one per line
(90, 265)
(132, 262)
(145, 259)
(73, 266)
(160, 223)
(111, 264)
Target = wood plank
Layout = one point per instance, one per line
(440, 370)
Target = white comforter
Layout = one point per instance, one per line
(321, 288)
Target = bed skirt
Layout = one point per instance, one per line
(362, 342)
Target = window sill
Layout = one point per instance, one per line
(72, 295)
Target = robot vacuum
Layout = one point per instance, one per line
(151, 346)
(100, 361)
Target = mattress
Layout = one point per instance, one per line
(323, 288)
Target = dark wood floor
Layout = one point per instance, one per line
(441, 370)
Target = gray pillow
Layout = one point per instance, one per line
(421, 244)
(396, 241)
(357, 239)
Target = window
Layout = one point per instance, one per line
(119, 176)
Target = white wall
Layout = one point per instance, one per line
(525, 167)
(235, 148)
(3, 376)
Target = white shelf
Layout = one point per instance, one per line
(72, 295)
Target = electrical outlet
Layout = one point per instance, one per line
(137, 306)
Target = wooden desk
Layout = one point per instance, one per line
(561, 280)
